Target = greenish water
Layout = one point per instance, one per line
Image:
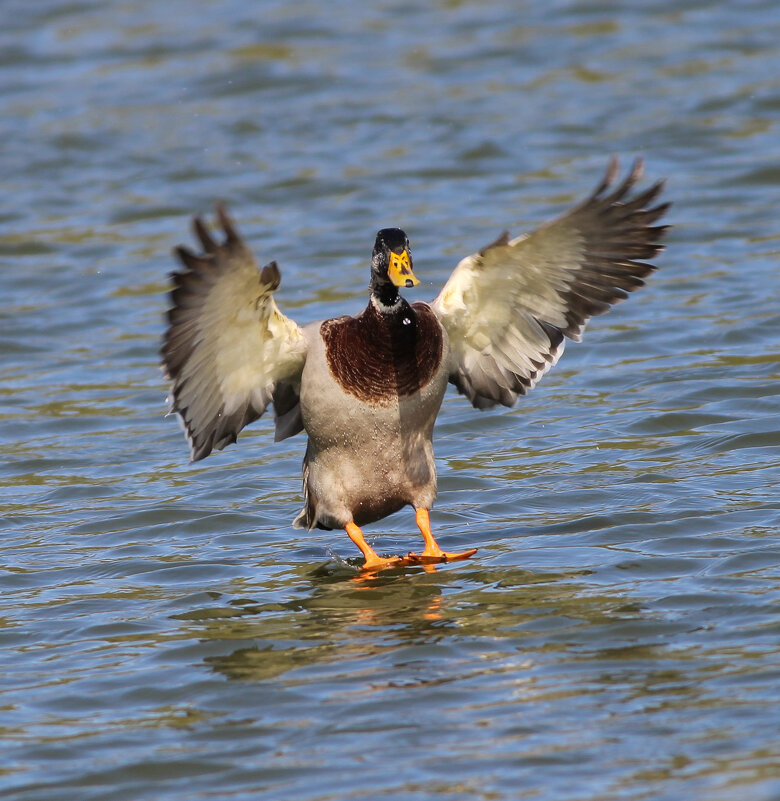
(165, 634)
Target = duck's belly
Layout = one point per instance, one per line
(365, 460)
(363, 481)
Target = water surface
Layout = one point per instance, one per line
(165, 633)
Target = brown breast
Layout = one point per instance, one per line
(379, 357)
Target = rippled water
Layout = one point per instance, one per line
(165, 633)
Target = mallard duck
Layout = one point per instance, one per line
(367, 389)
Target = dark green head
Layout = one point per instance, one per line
(391, 264)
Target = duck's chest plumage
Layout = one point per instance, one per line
(370, 393)
(380, 357)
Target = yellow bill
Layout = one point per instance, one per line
(399, 271)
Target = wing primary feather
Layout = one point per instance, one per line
(637, 170)
(231, 234)
(609, 177)
(502, 240)
(189, 259)
(271, 277)
(204, 235)
(642, 217)
(643, 200)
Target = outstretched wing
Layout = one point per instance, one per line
(508, 308)
(228, 350)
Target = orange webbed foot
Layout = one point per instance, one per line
(373, 562)
(432, 553)
(377, 563)
(441, 556)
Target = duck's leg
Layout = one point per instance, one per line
(432, 552)
(373, 562)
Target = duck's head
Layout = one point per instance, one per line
(391, 264)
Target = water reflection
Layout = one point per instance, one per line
(341, 617)
(522, 669)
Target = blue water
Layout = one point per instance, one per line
(165, 633)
